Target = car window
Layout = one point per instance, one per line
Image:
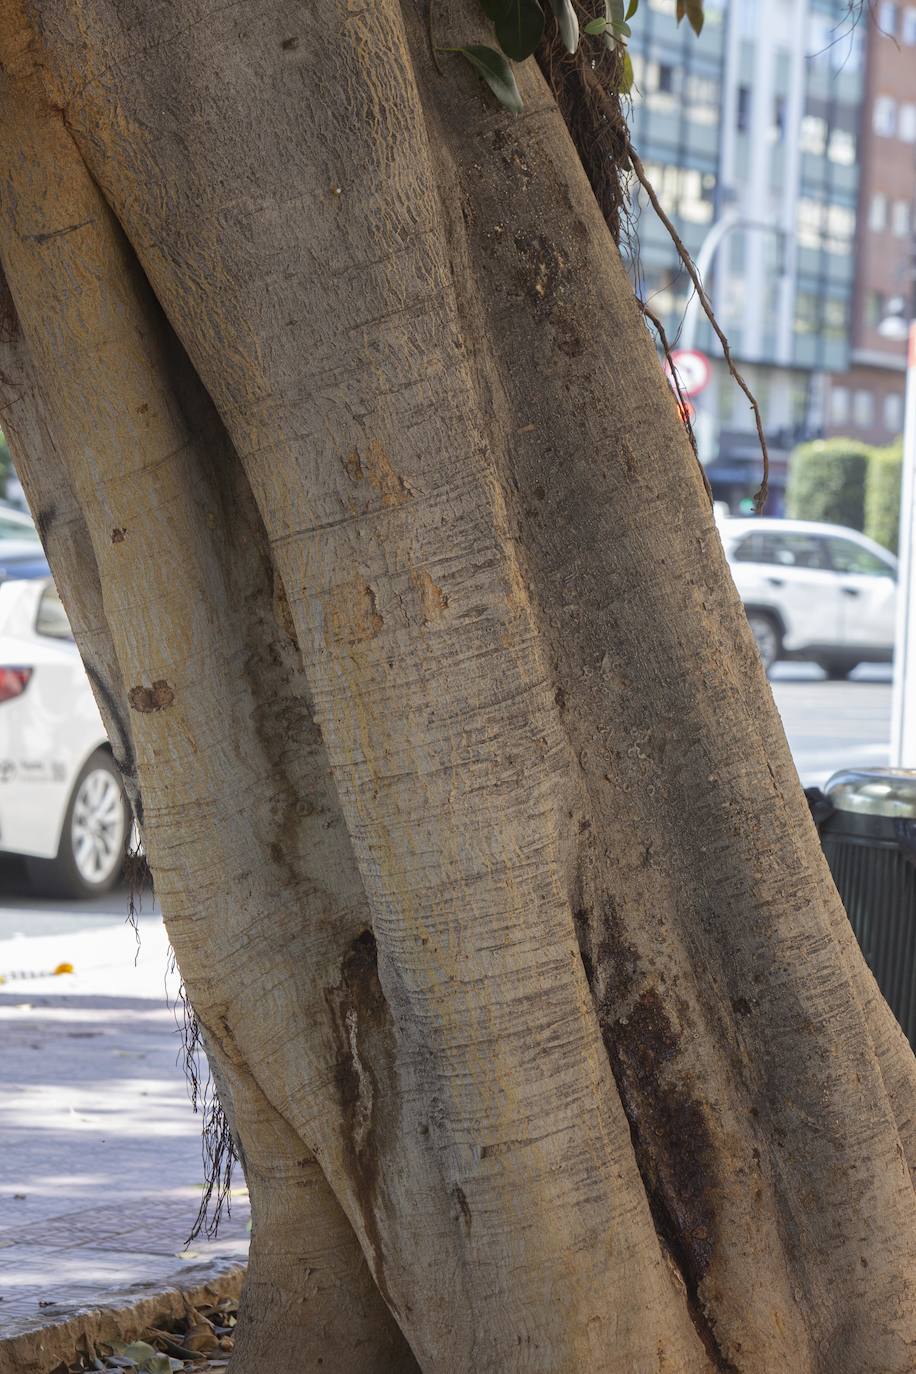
(849, 557)
(16, 529)
(746, 550)
(785, 550)
(51, 619)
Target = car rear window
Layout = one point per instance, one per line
(849, 557)
(51, 619)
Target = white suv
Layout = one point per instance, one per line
(813, 591)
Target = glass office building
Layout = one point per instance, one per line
(755, 123)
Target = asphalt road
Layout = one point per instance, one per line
(830, 725)
(833, 725)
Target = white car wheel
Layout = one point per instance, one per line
(94, 837)
(97, 827)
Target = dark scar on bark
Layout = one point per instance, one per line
(123, 747)
(461, 1198)
(44, 519)
(674, 1149)
(118, 535)
(360, 1014)
(148, 699)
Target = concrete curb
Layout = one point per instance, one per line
(45, 1348)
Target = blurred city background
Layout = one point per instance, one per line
(782, 144)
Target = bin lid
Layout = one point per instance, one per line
(874, 791)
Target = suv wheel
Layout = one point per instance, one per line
(93, 840)
(837, 669)
(765, 632)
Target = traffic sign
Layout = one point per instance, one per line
(693, 370)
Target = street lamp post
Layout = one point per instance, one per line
(903, 702)
(732, 219)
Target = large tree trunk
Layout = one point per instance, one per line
(538, 1020)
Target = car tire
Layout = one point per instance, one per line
(836, 669)
(93, 840)
(767, 635)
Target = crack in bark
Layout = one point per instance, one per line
(359, 1010)
(674, 1152)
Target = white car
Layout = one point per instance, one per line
(814, 591)
(21, 553)
(62, 805)
(16, 524)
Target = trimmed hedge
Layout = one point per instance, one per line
(827, 482)
(882, 495)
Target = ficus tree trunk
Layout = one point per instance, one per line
(542, 1033)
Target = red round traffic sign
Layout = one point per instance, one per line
(693, 370)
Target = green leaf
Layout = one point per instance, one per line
(496, 72)
(495, 9)
(614, 11)
(567, 23)
(623, 29)
(626, 74)
(633, 7)
(692, 10)
(138, 1351)
(521, 29)
(596, 26)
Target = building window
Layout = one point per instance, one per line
(863, 408)
(813, 135)
(806, 312)
(841, 229)
(703, 98)
(743, 114)
(842, 147)
(839, 404)
(900, 219)
(909, 26)
(884, 116)
(893, 412)
(874, 309)
(906, 126)
(725, 401)
(665, 78)
(778, 127)
(887, 18)
(835, 318)
(809, 219)
(877, 213)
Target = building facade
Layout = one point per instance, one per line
(866, 401)
(751, 134)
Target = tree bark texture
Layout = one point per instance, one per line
(539, 1022)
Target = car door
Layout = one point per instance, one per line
(868, 584)
(793, 574)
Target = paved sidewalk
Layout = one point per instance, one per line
(100, 1158)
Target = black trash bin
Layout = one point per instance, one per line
(869, 839)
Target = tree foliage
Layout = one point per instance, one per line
(882, 495)
(518, 27)
(827, 482)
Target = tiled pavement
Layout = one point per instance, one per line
(100, 1159)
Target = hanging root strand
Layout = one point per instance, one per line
(639, 171)
(679, 391)
(217, 1145)
(586, 89)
